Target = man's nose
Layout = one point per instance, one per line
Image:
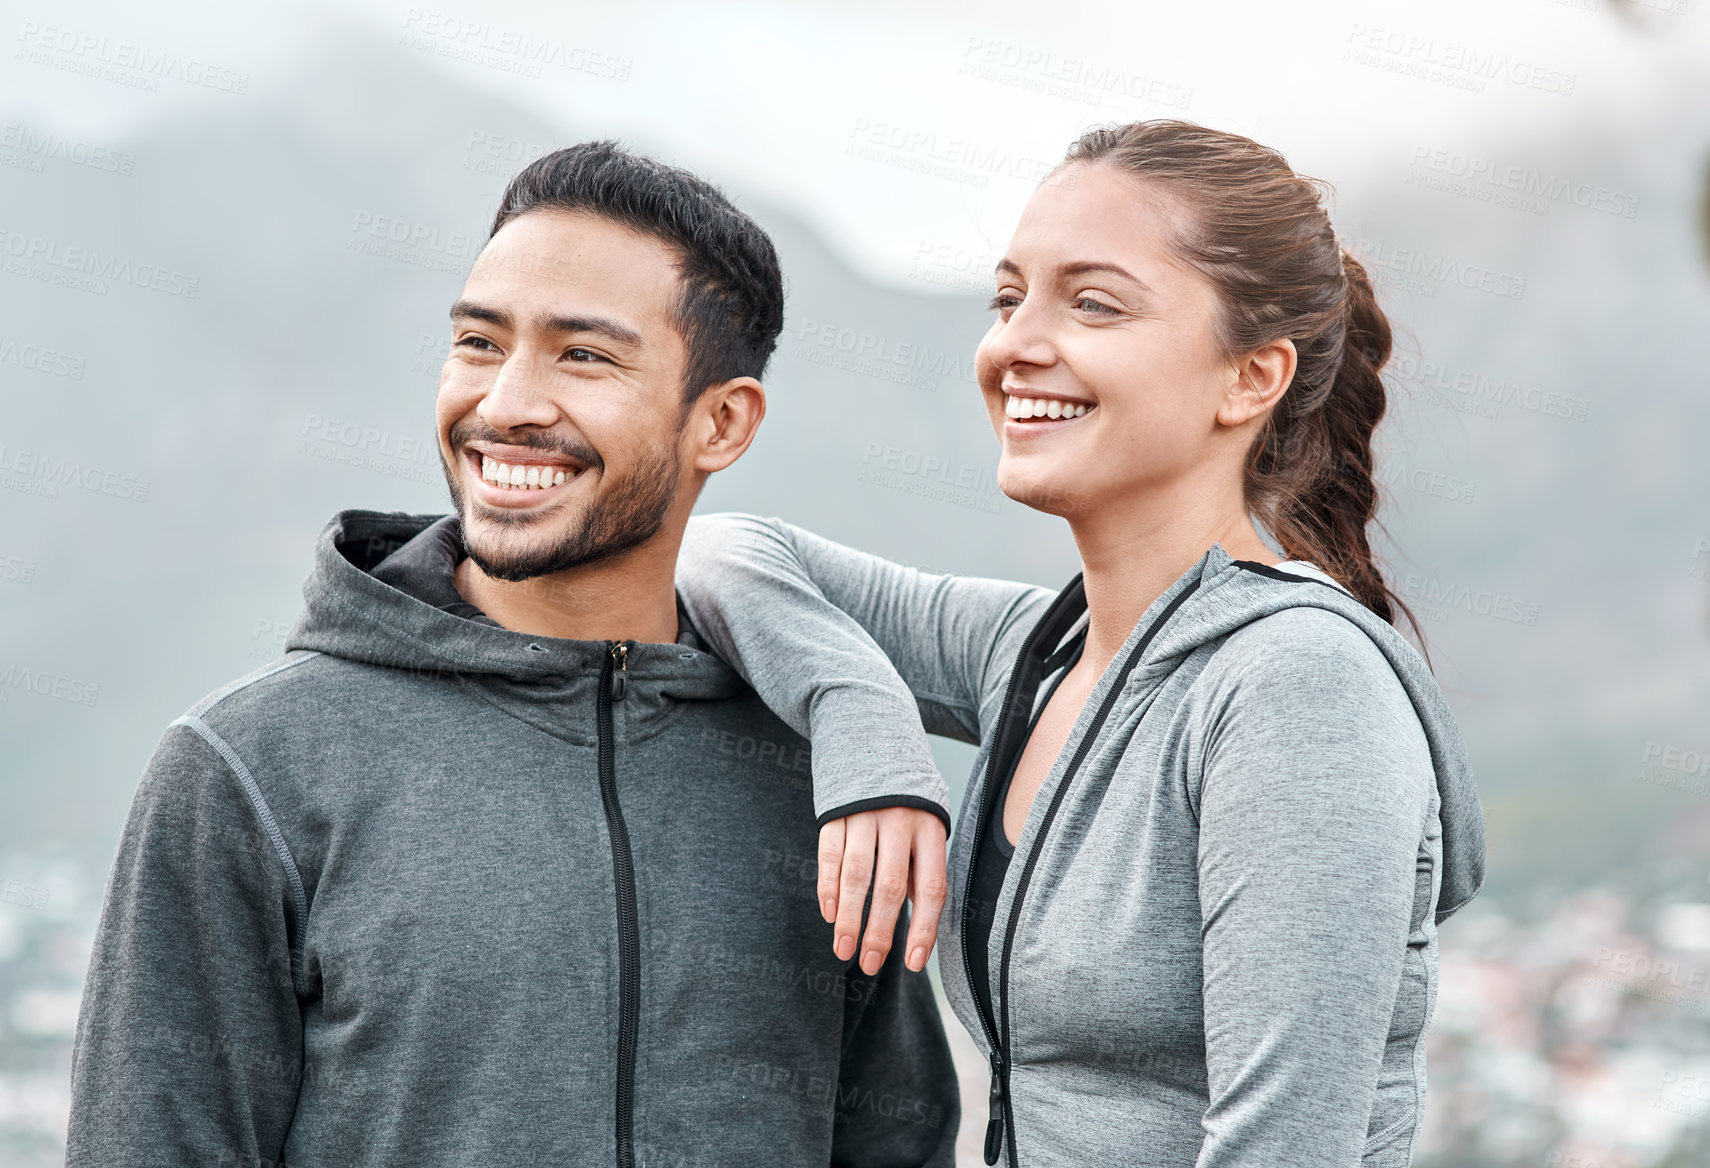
(516, 398)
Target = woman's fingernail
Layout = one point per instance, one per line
(917, 959)
(830, 907)
(845, 947)
(870, 962)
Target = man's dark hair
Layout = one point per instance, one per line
(732, 305)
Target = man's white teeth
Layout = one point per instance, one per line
(1043, 407)
(532, 475)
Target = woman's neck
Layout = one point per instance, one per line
(1131, 554)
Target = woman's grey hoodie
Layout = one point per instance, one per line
(1216, 942)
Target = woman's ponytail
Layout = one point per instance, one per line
(1310, 478)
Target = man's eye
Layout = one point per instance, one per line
(583, 355)
(475, 343)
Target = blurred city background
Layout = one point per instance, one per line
(228, 242)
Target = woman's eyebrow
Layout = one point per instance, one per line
(1081, 268)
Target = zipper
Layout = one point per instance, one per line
(1001, 1123)
(614, 683)
(998, 1116)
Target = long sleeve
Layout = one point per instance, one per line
(853, 651)
(898, 1099)
(189, 1042)
(1317, 785)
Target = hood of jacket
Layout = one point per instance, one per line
(350, 610)
(1221, 594)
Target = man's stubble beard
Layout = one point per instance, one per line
(630, 516)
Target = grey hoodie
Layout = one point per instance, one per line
(1216, 942)
(431, 892)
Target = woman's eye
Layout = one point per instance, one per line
(1097, 308)
(1003, 302)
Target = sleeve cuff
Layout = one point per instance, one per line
(884, 801)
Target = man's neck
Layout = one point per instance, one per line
(629, 597)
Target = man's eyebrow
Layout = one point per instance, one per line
(605, 326)
(469, 310)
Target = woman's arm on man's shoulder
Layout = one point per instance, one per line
(864, 657)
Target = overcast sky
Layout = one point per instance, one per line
(836, 110)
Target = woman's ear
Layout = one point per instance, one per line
(1257, 382)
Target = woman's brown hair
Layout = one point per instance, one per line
(1260, 234)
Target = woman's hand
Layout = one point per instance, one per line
(909, 845)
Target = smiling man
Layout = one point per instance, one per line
(498, 865)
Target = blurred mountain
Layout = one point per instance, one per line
(326, 235)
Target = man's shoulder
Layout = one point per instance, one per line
(301, 682)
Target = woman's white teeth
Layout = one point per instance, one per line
(1043, 407)
(518, 475)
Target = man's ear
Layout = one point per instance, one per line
(1257, 382)
(724, 421)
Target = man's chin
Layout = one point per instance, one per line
(511, 546)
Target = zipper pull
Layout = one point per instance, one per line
(994, 1125)
(620, 675)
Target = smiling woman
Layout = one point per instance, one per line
(1220, 804)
